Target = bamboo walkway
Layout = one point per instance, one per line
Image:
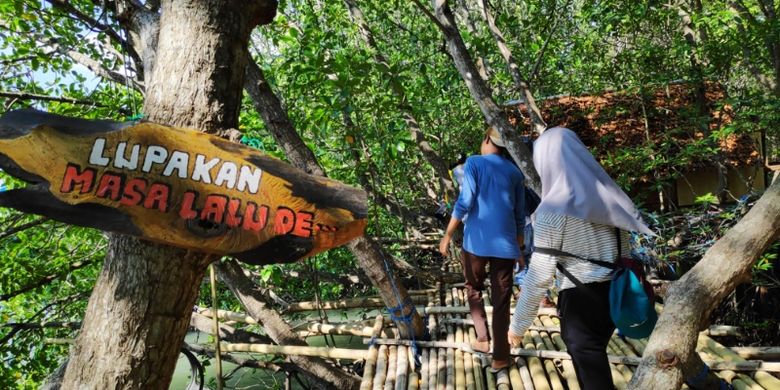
(447, 362)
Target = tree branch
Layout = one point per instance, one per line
(670, 357)
(61, 99)
(520, 83)
(397, 88)
(481, 92)
(16, 229)
(46, 279)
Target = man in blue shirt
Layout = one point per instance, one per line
(493, 196)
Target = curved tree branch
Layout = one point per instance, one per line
(670, 356)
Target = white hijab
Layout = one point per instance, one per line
(574, 184)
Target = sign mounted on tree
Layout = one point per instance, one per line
(176, 186)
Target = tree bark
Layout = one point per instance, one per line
(140, 308)
(369, 254)
(433, 158)
(325, 374)
(537, 121)
(670, 355)
(480, 91)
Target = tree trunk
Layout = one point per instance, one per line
(141, 305)
(433, 158)
(670, 355)
(480, 92)
(369, 254)
(323, 373)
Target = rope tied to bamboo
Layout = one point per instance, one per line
(406, 303)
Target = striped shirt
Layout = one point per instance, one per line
(569, 234)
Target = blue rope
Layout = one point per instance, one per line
(698, 380)
(407, 319)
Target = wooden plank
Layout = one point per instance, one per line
(175, 186)
(392, 362)
(402, 368)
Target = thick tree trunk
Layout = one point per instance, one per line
(433, 158)
(369, 254)
(670, 355)
(141, 305)
(480, 91)
(323, 373)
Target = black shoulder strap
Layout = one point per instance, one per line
(565, 272)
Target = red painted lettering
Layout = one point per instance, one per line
(214, 208)
(284, 221)
(74, 177)
(255, 217)
(158, 197)
(134, 192)
(110, 186)
(187, 210)
(303, 224)
(233, 219)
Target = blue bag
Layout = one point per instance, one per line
(631, 297)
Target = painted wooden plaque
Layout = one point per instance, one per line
(175, 186)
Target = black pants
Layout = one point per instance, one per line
(586, 328)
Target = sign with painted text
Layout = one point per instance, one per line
(176, 186)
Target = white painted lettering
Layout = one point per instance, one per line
(202, 170)
(178, 161)
(96, 157)
(227, 174)
(249, 178)
(155, 154)
(121, 162)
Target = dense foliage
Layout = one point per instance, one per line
(343, 105)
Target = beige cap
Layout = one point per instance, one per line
(495, 137)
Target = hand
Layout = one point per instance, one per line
(521, 262)
(444, 246)
(514, 340)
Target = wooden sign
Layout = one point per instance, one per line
(176, 186)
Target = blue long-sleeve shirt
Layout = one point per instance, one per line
(493, 197)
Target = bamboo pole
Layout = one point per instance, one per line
(760, 353)
(465, 310)
(441, 374)
(414, 381)
(535, 365)
(502, 380)
(381, 369)
(460, 364)
(450, 381)
(514, 377)
(373, 353)
(621, 375)
(569, 375)
(317, 328)
(424, 370)
(764, 379)
(392, 362)
(476, 363)
(541, 343)
(525, 374)
(215, 328)
(402, 368)
(350, 303)
(433, 368)
(741, 365)
(271, 349)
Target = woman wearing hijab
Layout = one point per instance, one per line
(580, 209)
(493, 197)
